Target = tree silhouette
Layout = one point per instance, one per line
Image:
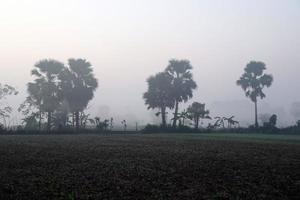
(159, 94)
(111, 123)
(6, 90)
(31, 107)
(273, 120)
(182, 116)
(253, 81)
(219, 122)
(230, 121)
(44, 91)
(182, 83)
(30, 121)
(197, 111)
(83, 119)
(78, 84)
(100, 125)
(124, 123)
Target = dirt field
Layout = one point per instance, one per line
(149, 167)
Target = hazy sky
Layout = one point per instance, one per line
(127, 41)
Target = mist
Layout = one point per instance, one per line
(128, 41)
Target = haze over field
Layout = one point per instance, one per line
(127, 41)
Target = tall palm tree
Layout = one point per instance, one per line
(182, 82)
(78, 84)
(159, 94)
(253, 81)
(43, 91)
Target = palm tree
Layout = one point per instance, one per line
(159, 94)
(78, 84)
(253, 81)
(44, 92)
(197, 111)
(182, 82)
(111, 123)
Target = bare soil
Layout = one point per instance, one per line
(146, 167)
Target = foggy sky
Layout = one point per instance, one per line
(127, 41)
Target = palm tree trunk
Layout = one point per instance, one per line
(49, 121)
(73, 120)
(175, 114)
(197, 123)
(40, 120)
(256, 122)
(77, 120)
(163, 116)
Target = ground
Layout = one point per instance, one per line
(174, 166)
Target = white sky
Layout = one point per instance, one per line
(127, 41)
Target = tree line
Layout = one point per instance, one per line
(60, 93)
(174, 85)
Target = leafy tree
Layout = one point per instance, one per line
(78, 84)
(197, 111)
(182, 83)
(43, 91)
(6, 90)
(31, 108)
(253, 81)
(159, 94)
(30, 121)
(273, 120)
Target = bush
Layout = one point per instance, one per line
(150, 128)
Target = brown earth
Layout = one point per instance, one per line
(146, 167)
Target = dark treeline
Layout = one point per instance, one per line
(60, 93)
(175, 85)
